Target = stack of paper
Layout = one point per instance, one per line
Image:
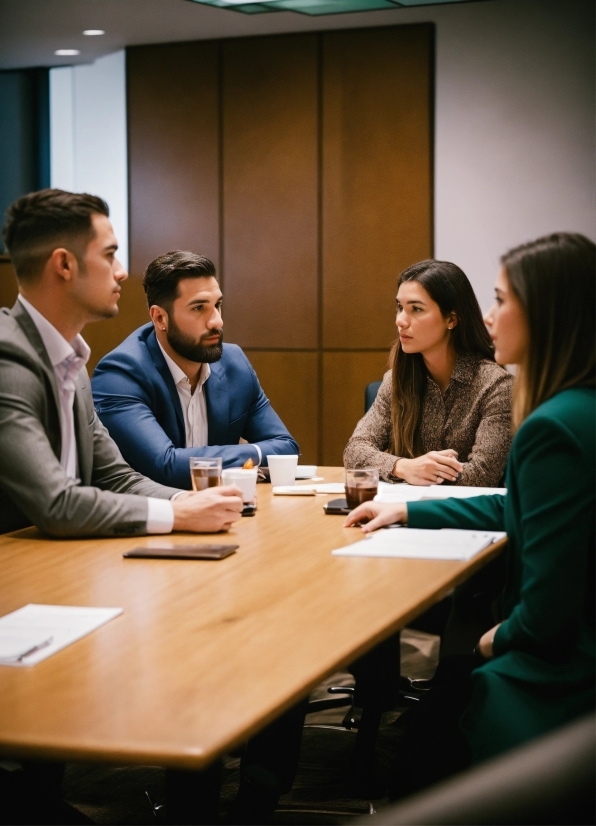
(413, 493)
(35, 632)
(417, 543)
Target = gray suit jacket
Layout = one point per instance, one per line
(109, 500)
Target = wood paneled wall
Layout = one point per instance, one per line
(302, 165)
(173, 151)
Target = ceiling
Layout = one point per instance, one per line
(32, 30)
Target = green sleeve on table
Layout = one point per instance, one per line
(556, 498)
(477, 513)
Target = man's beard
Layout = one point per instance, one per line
(193, 350)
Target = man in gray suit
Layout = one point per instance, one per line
(59, 468)
(61, 471)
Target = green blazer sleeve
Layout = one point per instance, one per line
(554, 487)
(548, 515)
(476, 513)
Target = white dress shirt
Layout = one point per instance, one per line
(194, 405)
(68, 359)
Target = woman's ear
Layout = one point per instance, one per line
(451, 321)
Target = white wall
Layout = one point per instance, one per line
(515, 135)
(88, 136)
(515, 138)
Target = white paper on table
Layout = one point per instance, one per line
(308, 490)
(419, 543)
(63, 623)
(15, 643)
(391, 494)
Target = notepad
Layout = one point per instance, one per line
(392, 494)
(418, 543)
(35, 632)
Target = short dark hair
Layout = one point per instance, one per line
(38, 223)
(163, 275)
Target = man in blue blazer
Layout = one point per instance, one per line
(173, 390)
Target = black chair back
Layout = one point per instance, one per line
(370, 394)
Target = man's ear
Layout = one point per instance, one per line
(63, 263)
(159, 317)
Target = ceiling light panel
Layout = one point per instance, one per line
(317, 7)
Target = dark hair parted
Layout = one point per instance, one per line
(40, 222)
(554, 280)
(449, 287)
(163, 275)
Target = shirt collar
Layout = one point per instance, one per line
(57, 347)
(179, 375)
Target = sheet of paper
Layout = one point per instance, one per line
(63, 623)
(413, 493)
(331, 487)
(308, 490)
(15, 643)
(418, 543)
(293, 490)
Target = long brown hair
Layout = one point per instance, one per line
(554, 280)
(449, 287)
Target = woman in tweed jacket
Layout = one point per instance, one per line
(443, 411)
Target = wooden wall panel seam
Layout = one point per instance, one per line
(270, 189)
(220, 170)
(320, 104)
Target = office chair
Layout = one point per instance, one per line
(370, 394)
(549, 780)
(365, 721)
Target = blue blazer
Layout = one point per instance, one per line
(136, 399)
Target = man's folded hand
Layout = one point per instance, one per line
(207, 511)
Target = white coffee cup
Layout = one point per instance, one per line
(244, 478)
(282, 469)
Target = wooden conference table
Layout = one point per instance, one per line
(205, 653)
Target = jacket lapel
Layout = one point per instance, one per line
(164, 371)
(25, 322)
(218, 404)
(83, 430)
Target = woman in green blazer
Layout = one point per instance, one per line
(539, 669)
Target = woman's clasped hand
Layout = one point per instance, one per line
(430, 469)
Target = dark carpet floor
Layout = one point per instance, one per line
(124, 795)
